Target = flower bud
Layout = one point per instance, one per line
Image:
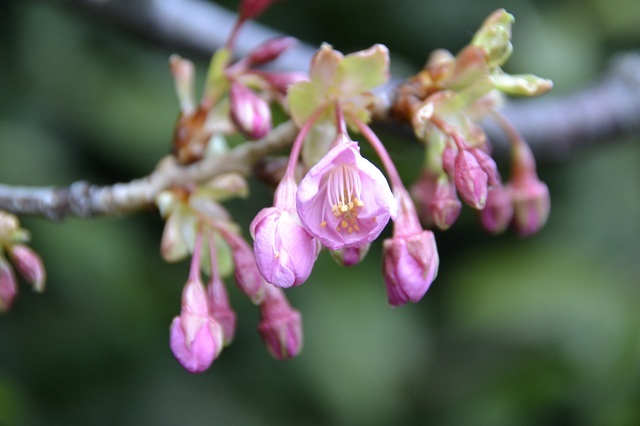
(423, 190)
(247, 275)
(410, 264)
(445, 207)
(350, 256)
(250, 9)
(488, 165)
(280, 325)
(29, 265)
(249, 112)
(531, 205)
(449, 161)
(470, 179)
(220, 309)
(281, 81)
(285, 252)
(183, 74)
(270, 50)
(8, 286)
(196, 339)
(498, 211)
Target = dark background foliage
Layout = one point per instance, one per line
(537, 331)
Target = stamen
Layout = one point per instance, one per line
(343, 192)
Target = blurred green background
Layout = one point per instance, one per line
(513, 332)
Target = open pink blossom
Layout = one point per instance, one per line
(196, 338)
(345, 201)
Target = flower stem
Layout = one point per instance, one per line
(449, 131)
(234, 33)
(213, 256)
(524, 164)
(194, 270)
(299, 141)
(379, 148)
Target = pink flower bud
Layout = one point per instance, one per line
(350, 256)
(249, 112)
(29, 265)
(271, 50)
(470, 179)
(247, 275)
(280, 325)
(196, 338)
(488, 165)
(410, 264)
(531, 205)
(422, 191)
(8, 286)
(449, 161)
(250, 9)
(281, 81)
(284, 250)
(498, 211)
(531, 202)
(445, 207)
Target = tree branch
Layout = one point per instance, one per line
(553, 125)
(84, 200)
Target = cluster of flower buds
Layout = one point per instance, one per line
(343, 202)
(27, 262)
(207, 321)
(236, 96)
(444, 103)
(236, 101)
(329, 196)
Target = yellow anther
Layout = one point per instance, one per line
(344, 208)
(343, 224)
(323, 223)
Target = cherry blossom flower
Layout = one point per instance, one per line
(345, 201)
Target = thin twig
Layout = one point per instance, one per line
(85, 200)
